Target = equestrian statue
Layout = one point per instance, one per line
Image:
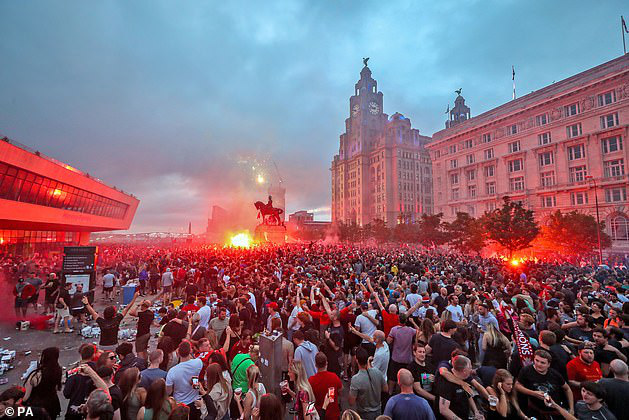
(269, 214)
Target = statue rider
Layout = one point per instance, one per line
(269, 204)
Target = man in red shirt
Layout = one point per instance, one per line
(321, 383)
(583, 369)
(190, 306)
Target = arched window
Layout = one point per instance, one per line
(620, 228)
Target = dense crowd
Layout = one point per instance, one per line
(369, 333)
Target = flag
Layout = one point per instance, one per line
(513, 78)
(624, 24)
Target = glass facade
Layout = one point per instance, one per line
(20, 185)
(27, 242)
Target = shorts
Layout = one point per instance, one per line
(393, 369)
(33, 299)
(63, 313)
(20, 303)
(142, 343)
(77, 312)
(108, 289)
(168, 289)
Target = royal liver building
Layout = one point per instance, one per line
(382, 170)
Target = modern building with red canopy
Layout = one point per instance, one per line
(46, 204)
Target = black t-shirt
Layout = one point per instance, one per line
(177, 331)
(459, 401)
(442, 348)
(51, 290)
(65, 295)
(617, 391)
(116, 396)
(417, 370)
(604, 356)
(560, 359)
(551, 383)
(578, 334)
(440, 303)
(145, 319)
(334, 365)
(109, 330)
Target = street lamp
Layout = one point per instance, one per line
(598, 222)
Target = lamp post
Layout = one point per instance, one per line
(598, 222)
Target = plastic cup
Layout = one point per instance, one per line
(493, 401)
(283, 387)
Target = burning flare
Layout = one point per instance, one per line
(241, 240)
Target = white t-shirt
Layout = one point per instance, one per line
(292, 324)
(456, 311)
(179, 378)
(204, 313)
(381, 359)
(108, 280)
(412, 299)
(365, 325)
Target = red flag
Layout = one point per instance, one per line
(525, 350)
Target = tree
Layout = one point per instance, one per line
(405, 232)
(466, 234)
(431, 230)
(511, 226)
(571, 235)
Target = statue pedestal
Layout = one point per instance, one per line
(270, 234)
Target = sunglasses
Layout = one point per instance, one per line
(112, 357)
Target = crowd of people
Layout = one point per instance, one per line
(366, 333)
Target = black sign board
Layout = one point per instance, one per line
(79, 259)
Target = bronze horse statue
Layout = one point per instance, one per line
(270, 215)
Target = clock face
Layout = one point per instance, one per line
(355, 109)
(374, 108)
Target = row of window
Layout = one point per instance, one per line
(570, 110)
(608, 145)
(20, 185)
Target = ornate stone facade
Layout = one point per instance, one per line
(547, 149)
(382, 170)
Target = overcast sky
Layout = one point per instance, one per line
(175, 101)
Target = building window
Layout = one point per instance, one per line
(514, 146)
(578, 198)
(615, 195)
(572, 109)
(490, 171)
(607, 98)
(453, 148)
(578, 173)
(489, 154)
(469, 159)
(576, 152)
(611, 144)
(516, 183)
(620, 228)
(469, 143)
(549, 201)
(546, 158)
(490, 188)
(515, 165)
(454, 179)
(608, 121)
(471, 175)
(547, 179)
(541, 119)
(512, 129)
(614, 168)
(453, 164)
(471, 191)
(574, 130)
(455, 193)
(544, 138)
(486, 137)
(491, 206)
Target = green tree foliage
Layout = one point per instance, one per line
(571, 234)
(430, 230)
(511, 226)
(466, 234)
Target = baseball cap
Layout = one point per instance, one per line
(364, 305)
(425, 299)
(272, 305)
